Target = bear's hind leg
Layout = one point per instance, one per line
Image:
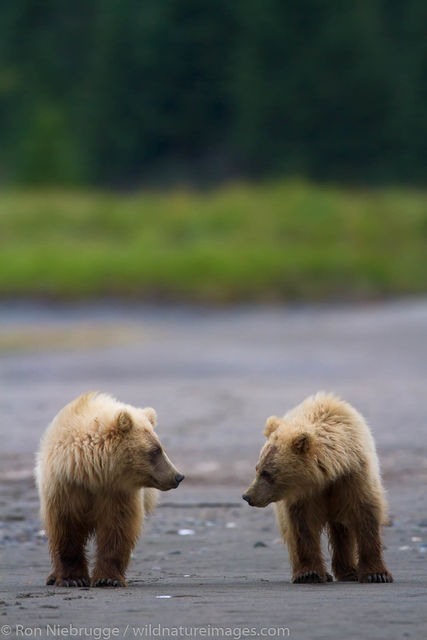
(343, 543)
(371, 563)
(118, 527)
(67, 539)
(303, 538)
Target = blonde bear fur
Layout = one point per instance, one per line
(98, 470)
(320, 468)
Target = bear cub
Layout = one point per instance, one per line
(98, 469)
(320, 468)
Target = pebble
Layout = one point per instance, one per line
(186, 532)
(259, 544)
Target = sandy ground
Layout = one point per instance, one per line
(214, 376)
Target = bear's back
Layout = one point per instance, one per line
(89, 413)
(78, 443)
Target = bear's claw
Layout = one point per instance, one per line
(109, 582)
(69, 582)
(310, 577)
(385, 576)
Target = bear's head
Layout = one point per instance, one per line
(140, 453)
(287, 465)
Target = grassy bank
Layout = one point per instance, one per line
(286, 240)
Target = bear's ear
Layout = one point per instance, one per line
(124, 421)
(151, 415)
(302, 442)
(271, 425)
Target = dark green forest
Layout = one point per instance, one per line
(128, 92)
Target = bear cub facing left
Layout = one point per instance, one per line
(320, 468)
(98, 469)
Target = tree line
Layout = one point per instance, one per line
(122, 92)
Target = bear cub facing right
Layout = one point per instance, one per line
(98, 470)
(320, 468)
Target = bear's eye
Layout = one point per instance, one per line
(266, 475)
(155, 452)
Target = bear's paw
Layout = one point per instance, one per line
(349, 576)
(69, 581)
(383, 577)
(311, 577)
(109, 582)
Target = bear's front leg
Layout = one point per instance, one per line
(371, 563)
(119, 524)
(303, 538)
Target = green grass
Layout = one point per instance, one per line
(275, 241)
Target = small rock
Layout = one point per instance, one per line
(260, 543)
(174, 553)
(186, 532)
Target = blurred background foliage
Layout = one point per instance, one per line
(130, 92)
(313, 112)
(274, 241)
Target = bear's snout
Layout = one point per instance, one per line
(179, 478)
(247, 498)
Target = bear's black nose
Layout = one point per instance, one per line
(247, 498)
(179, 477)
